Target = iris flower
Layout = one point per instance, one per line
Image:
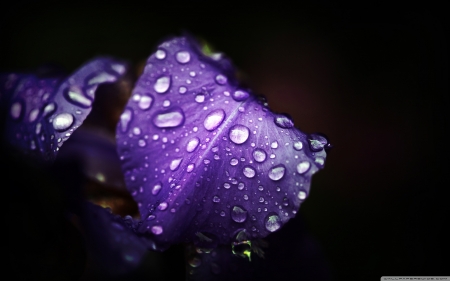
(206, 161)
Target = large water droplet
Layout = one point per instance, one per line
(162, 84)
(303, 167)
(298, 145)
(125, 119)
(238, 214)
(75, 96)
(277, 172)
(183, 57)
(156, 188)
(63, 121)
(169, 119)
(175, 164)
(157, 229)
(273, 223)
(249, 172)
(283, 121)
(240, 95)
(192, 144)
(239, 134)
(214, 119)
(259, 155)
(145, 102)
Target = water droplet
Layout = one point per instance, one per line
(303, 167)
(259, 155)
(249, 172)
(157, 229)
(136, 131)
(16, 110)
(75, 96)
(214, 119)
(221, 79)
(200, 98)
(319, 160)
(216, 199)
(283, 121)
(175, 164)
(274, 145)
(142, 143)
(227, 185)
(169, 119)
(195, 262)
(234, 162)
(301, 195)
(192, 144)
(277, 172)
(160, 54)
(101, 78)
(156, 188)
(190, 167)
(33, 115)
(317, 142)
(182, 90)
(163, 206)
(183, 57)
(166, 103)
(162, 84)
(49, 109)
(273, 223)
(241, 186)
(240, 95)
(239, 134)
(125, 119)
(238, 214)
(298, 145)
(63, 121)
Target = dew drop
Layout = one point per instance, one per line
(303, 167)
(239, 134)
(63, 121)
(273, 223)
(317, 142)
(182, 90)
(75, 96)
(277, 172)
(301, 195)
(163, 206)
(169, 119)
(156, 188)
(190, 167)
(49, 109)
(16, 110)
(298, 145)
(259, 155)
(125, 119)
(192, 144)
(214, 119)
(283, 121)
(160, 54)
(175, 164)
(227, 185)
(33, 115)
(221, 79)
(101, 78)
(234, 162)
(249, 172)
(183, 57)
(216, 199)
(157, 229)
(200, 98)
(241, 186)
(240, 95)
(162, 84)
(238, 214)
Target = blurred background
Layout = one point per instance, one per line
(372, 77)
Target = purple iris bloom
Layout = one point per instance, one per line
(206, 160)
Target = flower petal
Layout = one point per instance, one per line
(42, 113)
(205, 158)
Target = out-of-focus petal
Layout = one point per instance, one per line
(207, 159)
(42, 113)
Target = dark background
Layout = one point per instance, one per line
(373, 77)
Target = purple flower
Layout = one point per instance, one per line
(205, 159)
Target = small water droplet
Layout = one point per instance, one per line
(240, 95)
(234, 162)
(303, 167)
(277, 172)
(33, 115)
(166, 103)
(182, 90)
(156, 188)
(274, 145)
(157, 229)
(214, 119)
(192, 144)
(301, 195)
(227, 185)
(162, 84)
(221, 79)
(190, 167)
(160, 54)
(183, 57)
(249, 172)
(49, 109)
(239, 134)
(216, 199)
(283, 121)
(259, 155)
(317, 142)
(175, 164)
(169, 119)
(238, 214)
(145, 102)
(163, 206)
(298, 145)
(273, 223)
(63, 121)
(75, 96)
(241, 186)
(195, 262)
(200, 98)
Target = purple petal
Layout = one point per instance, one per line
(42, 113)
(205, 158)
